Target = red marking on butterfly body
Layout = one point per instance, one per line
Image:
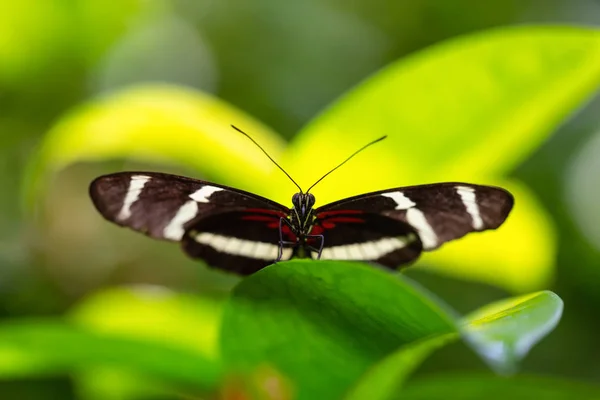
(330, 218)
(271, 217)
(317, 230)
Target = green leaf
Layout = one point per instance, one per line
(469, 109)
(323, 324)
(342, 328)
(501, 333)
(153, 313)
(385, 378)
(146, 313)
(121, 343)
(504, 332)
(48, 348)
(479, 386)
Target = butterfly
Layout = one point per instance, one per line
(242, 232)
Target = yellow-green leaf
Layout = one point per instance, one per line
(163, 124)
(469, 109)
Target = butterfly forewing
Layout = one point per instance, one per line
(363, 236)
(164, 206)
(438, 212)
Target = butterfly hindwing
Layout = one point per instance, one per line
(364, 236)
(438, 212)
(163, 206)
(239, 241)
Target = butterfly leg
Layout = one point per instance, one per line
(281, 241)
(322, 239)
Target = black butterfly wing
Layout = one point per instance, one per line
(165, 206)
(363, 236)
(438, 212)
(240, 232)
(239, 241)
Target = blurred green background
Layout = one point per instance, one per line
(282, 63)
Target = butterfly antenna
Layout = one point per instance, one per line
(267, 154)
(347, 159)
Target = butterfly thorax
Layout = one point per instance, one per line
(301, 214)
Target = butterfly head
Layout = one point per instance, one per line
(303, 203)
